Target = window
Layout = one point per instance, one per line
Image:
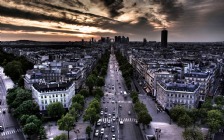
(53, 95)
(41, 97)
(45, 96)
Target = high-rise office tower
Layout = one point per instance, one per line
(164, 35)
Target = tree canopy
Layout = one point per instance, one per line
(55, 110)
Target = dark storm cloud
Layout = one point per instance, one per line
(114, 7)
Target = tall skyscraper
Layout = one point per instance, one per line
(164, 35)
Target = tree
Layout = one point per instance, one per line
(176, 112)
(194, 115)
(91, 115)
(21, 96)
(66, 123)
(90, 82)
(27, 107)
(184, 121)
(78, 98)
(11, 95)
(192, 134)
(13, 70)
(61, 137)
(35, 120)
(88, 131)
(98, 92)
(30, 129)
(219, 100)
(55, 110)
(21, 82)
(95, 104)
(42, 133)
(84, 92)
(100, 81)
(214, 120)
(144, 118)
(78, 107)
(74, 113)
(23, 119)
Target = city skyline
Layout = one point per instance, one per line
(61, 20)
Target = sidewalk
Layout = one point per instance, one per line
(52, 128)
(159, 119)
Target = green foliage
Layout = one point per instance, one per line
(88, 131)
(177, 112)
(184, 121)
(91, 82)
(61, 137)
(28, 107)
(144, 117)
(91, 115)
(100, 81)
(219, 100)
(23, 119)
(192, 134)
(21, 82)
(13, 70)
(78, 98)
(98, 92)
(21, 96)
(11, 95)
(33, 119)
(55, 110)
(30, 129)
(84, 92)
(214, 120)
(66, 123)
(78, 107)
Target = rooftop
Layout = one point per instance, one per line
(189, 87)
(43, 87)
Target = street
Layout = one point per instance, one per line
(118, 105)
(11, 131)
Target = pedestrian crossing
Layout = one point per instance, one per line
(120, 119)
(9, 132)
(124, 102)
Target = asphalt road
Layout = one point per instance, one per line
(112, 100)
(12, 131)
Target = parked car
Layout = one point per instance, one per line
(112, 128)
(113, 137)
(97, 133)
(1, 129)
(102, 131)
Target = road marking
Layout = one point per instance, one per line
(125, 102)
(9, 132)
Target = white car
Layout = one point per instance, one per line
(102, 131)
(121, 122)
(114, 119)
(97, 133)
(113, 137)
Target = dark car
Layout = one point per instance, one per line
(113, 129)
(1, 129)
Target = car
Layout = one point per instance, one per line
(105, 115)
(103, 102)
(136, 122)
(108, 123)
(113, 137)
(102, 131)
(106, 109)
(109, 116)
(119, 87)
(105, 137)
(3, 112)
(112, 128)
(121, 122)
(113, 113)
(114, 119)
(97, 133)
(1, 129)
(101, 112)
(104, 124)
(99, 122)
(121, 92)
(112, 101)
(120, 106)
(129, 112)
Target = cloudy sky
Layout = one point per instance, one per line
(71, 20)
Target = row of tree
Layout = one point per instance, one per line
(126, 68)
(14, 67)
(95, 79)
(26, 111)
(208, 114)
(144, 117)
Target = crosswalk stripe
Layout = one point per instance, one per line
(9, 132)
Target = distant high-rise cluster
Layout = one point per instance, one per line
(164, 35)
(121, 39)
(105, 39)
